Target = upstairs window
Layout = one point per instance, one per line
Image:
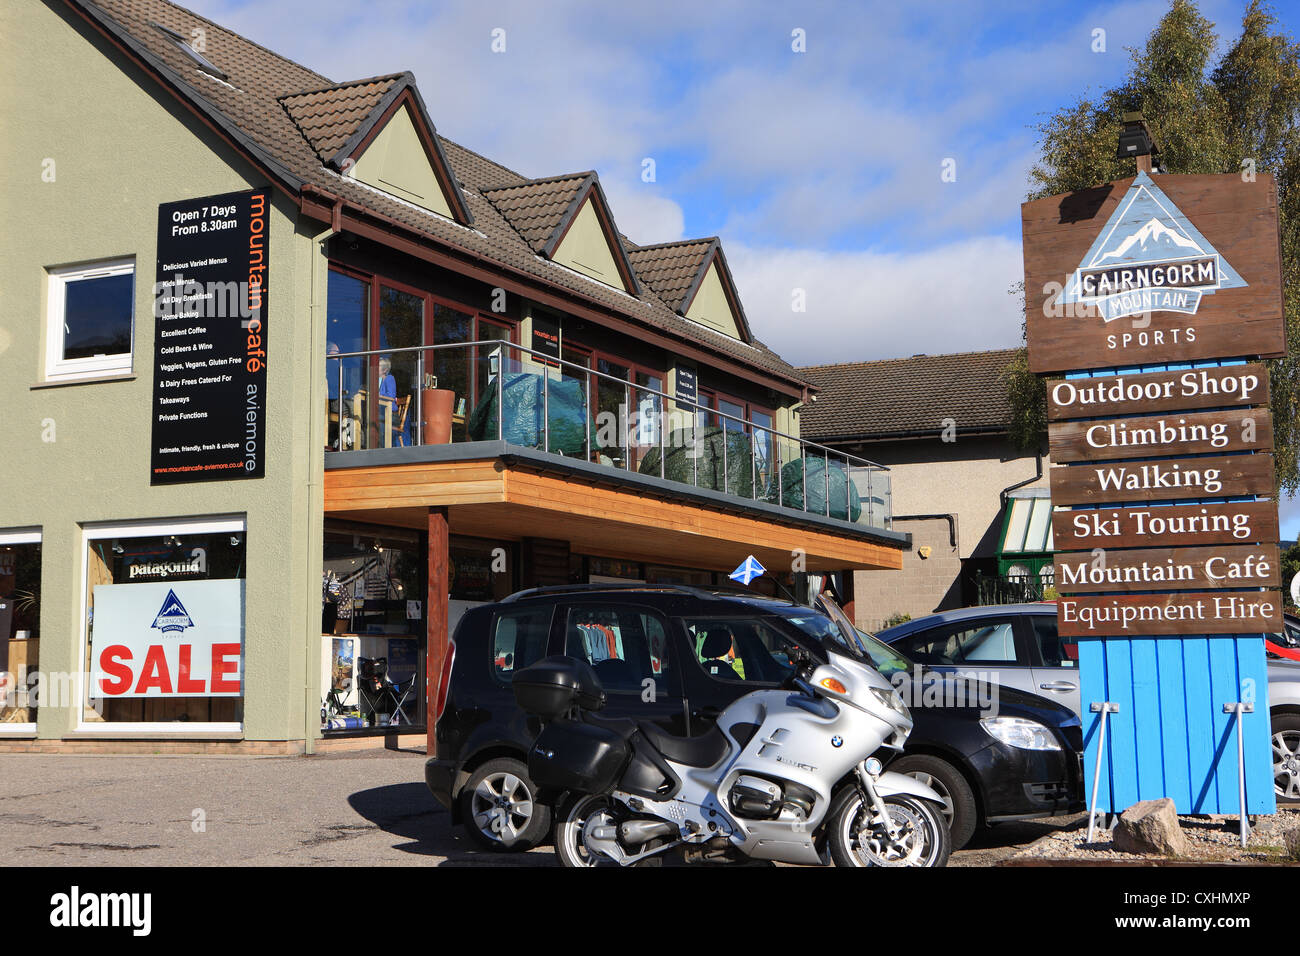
(90, 327)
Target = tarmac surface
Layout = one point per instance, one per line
(367, 808)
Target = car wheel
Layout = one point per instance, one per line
(959, 808)
(500, 809)
(1286, 757)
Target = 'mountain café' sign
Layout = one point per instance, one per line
(210, 338)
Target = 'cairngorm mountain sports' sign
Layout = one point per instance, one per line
(1152, 270)
(1148, 258)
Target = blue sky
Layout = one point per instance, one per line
(821, 170)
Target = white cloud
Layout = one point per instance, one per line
(644, 214)
(869, 305)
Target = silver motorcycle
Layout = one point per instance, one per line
(791, 775)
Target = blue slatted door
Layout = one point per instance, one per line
(1171, 737)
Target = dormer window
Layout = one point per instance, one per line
(200, 60)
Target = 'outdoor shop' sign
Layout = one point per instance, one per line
(210, 338)
(1135, 273)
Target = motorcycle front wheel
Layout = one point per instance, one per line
(858, 837)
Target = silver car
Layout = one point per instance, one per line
(1018, 645)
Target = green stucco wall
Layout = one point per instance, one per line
(120, 146)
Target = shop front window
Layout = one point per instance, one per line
(373, 628)
(165, 625)
(20, 627)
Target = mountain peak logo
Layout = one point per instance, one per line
(1148, 258)
(172, 616)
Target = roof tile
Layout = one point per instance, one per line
(908, 396)
(670, 268)
(291, 116)
(329, 117)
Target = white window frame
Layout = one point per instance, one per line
(97, 366)
(231, 524)
(19, 536)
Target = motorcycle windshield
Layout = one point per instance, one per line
(881, 656)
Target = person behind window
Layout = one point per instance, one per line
(388, 400)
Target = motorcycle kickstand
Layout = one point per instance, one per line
(629, 860)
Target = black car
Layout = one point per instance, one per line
(677, 656)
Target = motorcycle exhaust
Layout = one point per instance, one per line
(637, 832)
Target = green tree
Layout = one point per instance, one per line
(1206, 118)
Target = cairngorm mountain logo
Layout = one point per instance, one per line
(1148, 258)
(172, 616)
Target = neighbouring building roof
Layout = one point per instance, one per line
(908, 397)
(298, 125)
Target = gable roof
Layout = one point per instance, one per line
(331, 117)
(536, 207)
(676, 270)
(265, 109)
(909, 397)
(672, 269)
(542, 210)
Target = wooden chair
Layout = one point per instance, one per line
(399, 427)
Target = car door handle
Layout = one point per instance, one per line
(1061, 685)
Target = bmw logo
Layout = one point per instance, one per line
(837, 741)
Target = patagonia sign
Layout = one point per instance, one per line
(1148, 258)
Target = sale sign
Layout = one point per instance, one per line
(168, 639)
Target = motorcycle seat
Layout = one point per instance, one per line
(702, 751)
(625, 727)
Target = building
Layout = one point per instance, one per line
(976, 505)
(291, 380)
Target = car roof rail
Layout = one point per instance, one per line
(584, 588)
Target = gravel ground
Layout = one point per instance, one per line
(1214, 839)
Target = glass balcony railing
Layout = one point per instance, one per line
(497, 391)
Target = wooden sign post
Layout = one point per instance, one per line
(1151, 297)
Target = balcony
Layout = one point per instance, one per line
(493, 391)
(515, 443)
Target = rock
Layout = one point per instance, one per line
(1292, 840)
(1151, 826)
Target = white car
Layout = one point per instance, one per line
(1020, 643)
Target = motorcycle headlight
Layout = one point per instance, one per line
(890, 699)
(1021, 733)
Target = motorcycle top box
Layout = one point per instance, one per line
(554, 685)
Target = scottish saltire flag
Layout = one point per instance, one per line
(749, 570)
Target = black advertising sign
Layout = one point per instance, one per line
(686, 388)
(546, 336)
(210, 338)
